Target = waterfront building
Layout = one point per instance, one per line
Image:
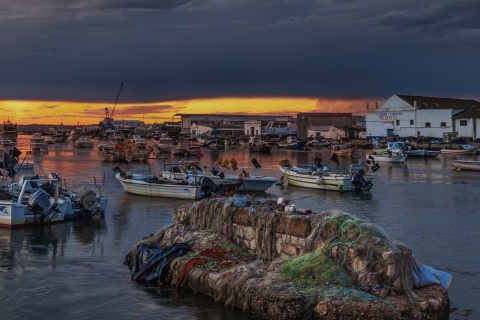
(467, 124)
(419, 116)
(339, 124)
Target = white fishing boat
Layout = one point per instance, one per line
(465, 165)
(322, 178)
(191, 188)
(84, 142)
(31, 204)
(37, 142)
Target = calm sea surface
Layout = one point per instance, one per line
(76, 271)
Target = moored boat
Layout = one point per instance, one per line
(84, 142)
(322, 178)
(192, 188)
(37, 142)
(463, 149)
(9, 131)
(465, 165)
(388, 157)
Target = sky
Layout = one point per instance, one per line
(64, 61)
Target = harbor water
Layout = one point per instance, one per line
(75, 270)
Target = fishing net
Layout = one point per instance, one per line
(326, 265)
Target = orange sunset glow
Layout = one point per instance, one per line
(73, 113)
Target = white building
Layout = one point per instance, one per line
(415, 116)
(253, 128)
(467, 124)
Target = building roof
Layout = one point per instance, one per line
(473, 113)
(326, 114)
(439, 103)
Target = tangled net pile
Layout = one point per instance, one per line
(346, 268)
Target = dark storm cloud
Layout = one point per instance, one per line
(180, 49)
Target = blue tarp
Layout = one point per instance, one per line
(424, 275)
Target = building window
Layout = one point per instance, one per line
(411, 122)
(397, 122)
(463, 123)
(443, 124)
(427, 125)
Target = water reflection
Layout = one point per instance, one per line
(426, 205)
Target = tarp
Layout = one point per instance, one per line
(150, 260)
(424, 275)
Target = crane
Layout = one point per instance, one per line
(107, 112)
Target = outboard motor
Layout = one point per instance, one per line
(40, 206)
(208, 186)
(359, 181)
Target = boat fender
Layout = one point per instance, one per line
(319, 181)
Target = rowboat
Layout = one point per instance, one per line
(465, 165)
(191, 188)
(464, 149)
(322, 178)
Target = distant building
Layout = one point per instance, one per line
(316, 124)
(416, 116)
(188, 119)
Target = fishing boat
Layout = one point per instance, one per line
(9, 131)
(246, 182)
(292, 143)
(84, 142)
(37, 142)
(191, 188)
(178, 151)
(42, 201)
(465, 165)
(394, 153)
(139, 141)
(463, 149)
(215, 143)
(60, 135)
(323, 178)
(193, 149)
(166, 144)
(255, 144)
(49, 139)
(343, 150)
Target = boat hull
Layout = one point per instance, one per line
(458, 151)
(257, 184)
(332, 182)
(401, 158)
(175, 191)
(465, 165)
